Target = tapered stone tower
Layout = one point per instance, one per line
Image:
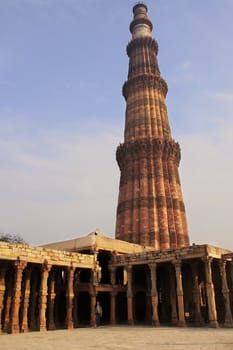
(150, 208)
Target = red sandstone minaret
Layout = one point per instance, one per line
(150, 208)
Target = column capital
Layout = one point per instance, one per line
(207, 259)
(152, 266)
(129, 267)
(20, 264)
(46, 266)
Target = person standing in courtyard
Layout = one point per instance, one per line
(98, 313)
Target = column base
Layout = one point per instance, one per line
(24, 329)
(70, 325)
(13, 329)
(156, 323)
(51, 327)
(93, 324)
(214, 324)
(228, 325)
(181, 324)
(130, 322)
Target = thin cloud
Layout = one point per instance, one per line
(224, 96)
(206, 173)
(54, 191)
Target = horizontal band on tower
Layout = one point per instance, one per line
(146, 148)
(144, 41)
(151, 202)
(144, 81)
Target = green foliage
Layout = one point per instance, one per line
(11, 238)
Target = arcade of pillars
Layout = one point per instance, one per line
(179, 291)
(151, 288)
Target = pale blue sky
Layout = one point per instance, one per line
(62, 66)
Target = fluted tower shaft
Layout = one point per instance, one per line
(150, 207)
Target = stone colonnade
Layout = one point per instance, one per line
(202, 291)
(37, 287)
(40, 288)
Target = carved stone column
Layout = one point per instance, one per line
(129, 295)
(113, 275)
(174, 316)
(2, 291)
(51, 300)
(9, 292)
(154, 294)
(196, 294)
(113, 308)
(15, 303)
(210, 293)
(43, 296)
(93, 305)
(24, 326)
(70, 298)
(180, 294)
(226, 295)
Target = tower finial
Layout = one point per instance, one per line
(141, 25)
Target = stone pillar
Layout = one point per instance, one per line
(113, 275)
(226, 295)
(15, 303)
(93, 305)
(51, 300)
(210, 293)
(43, 296)
(174, 317)
(154, 294)
(9, 291)
(180, 294)
(70, 298)
(2, 291)
(113, 295)
(113, 308)
(129, 295)
(196, 294)
(24, 326)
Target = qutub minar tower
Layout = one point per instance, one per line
(149, 274)
(150, 208)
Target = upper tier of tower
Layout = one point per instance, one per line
(145, 90)
(141, 25)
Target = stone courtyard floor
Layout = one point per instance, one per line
(121, 338)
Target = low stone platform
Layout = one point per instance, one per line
(122, 338)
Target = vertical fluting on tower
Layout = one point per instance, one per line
(150, 207)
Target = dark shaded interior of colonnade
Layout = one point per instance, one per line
(167, 308)
(141, 292)
(229, 276)
(83, 309)
(121, 308)
(104, 299)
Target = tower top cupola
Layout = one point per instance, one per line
(141, 25)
